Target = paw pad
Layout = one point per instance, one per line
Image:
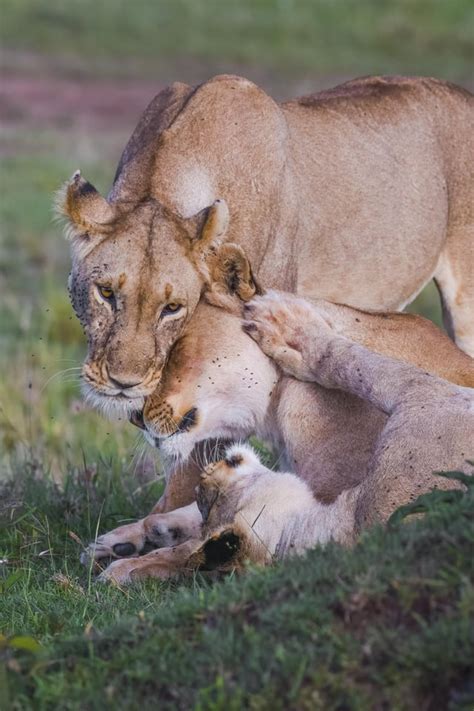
(124, 549)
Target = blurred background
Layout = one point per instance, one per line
(75, 78)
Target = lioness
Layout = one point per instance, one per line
(218, 383)
(360, 194)
(251, 513)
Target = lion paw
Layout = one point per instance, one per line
(118, 572)
(123, 542)
(279, 323)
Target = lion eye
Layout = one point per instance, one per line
(106, 292)
(171, 308)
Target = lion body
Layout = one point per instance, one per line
(358, 195)
(327, 436)
(252, 513)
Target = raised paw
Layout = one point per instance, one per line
(218, 474)
(287, 328)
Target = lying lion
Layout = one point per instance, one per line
(248, 513)
(252, 513)
(220, 384)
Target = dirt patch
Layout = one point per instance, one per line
(54, 102)
(57, 94)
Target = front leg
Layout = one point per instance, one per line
(153, 531)
(178, 498)
(279, 322)
(182, 478)
(163, 563)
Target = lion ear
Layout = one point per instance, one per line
(230, 273)
(86, 213)
(207, 228)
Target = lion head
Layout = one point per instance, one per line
(218, 383)
(138, 272)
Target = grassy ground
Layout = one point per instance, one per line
(386, 625)
(75, 78)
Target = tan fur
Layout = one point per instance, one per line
(407, 337)
(253, 514)
(430, 421)
(332, 439)
(358, 195)
(236, 392)
(130, 336)
(157, 530)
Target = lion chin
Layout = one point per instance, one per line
(113, 407)
(176, 448)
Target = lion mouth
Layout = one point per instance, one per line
(113, 406)
(136, 418)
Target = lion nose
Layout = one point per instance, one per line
(123, 384)
(188, 420)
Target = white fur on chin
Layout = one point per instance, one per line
(111, 406)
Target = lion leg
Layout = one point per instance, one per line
(454, 278)
(181, 482)
(155, 530)
(292, 331)
(182, 479)
(429, 428)
(164, 563)
(224, 550)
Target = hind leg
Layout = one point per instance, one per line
(454, 278)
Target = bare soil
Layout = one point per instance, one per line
(38, 93)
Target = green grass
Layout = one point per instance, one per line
(291, 36)
(385, 625)
(41, 342)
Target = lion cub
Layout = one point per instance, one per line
(250, 514)
(273, 514)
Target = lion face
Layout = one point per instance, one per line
(217, 384)
(136, 279)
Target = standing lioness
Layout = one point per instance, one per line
(359, 195)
